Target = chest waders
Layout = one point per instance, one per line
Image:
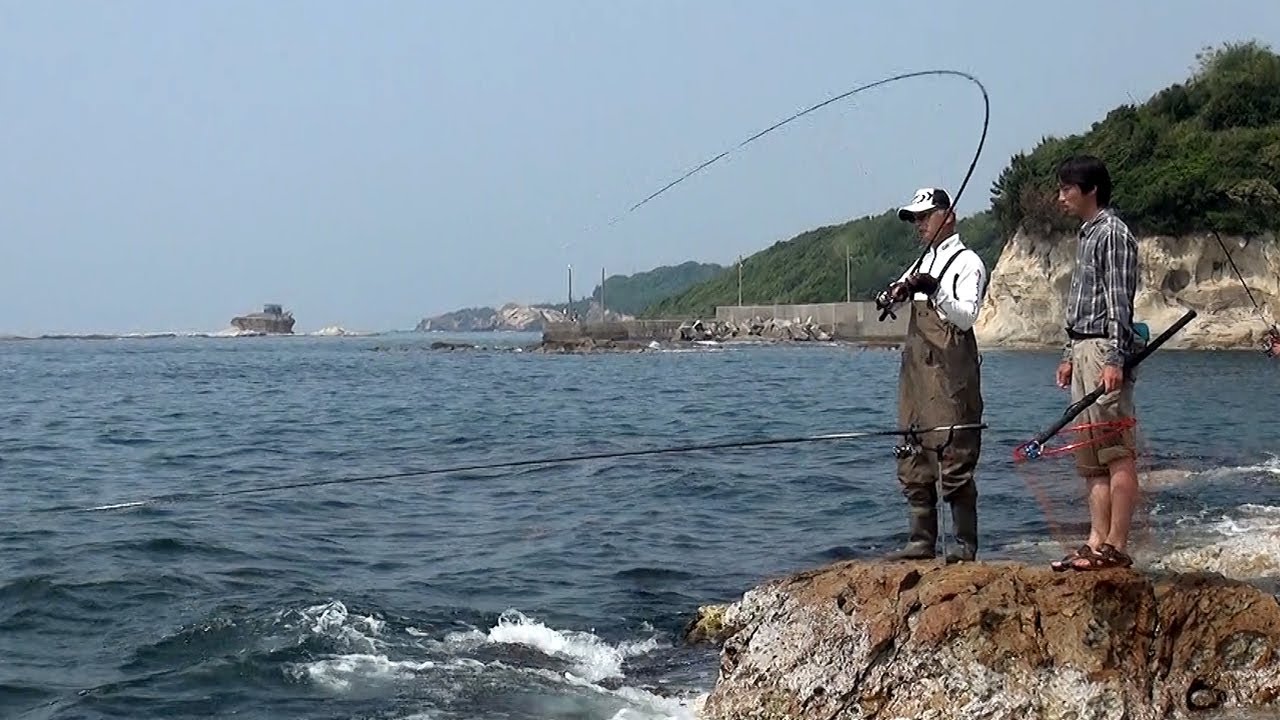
(939, 383)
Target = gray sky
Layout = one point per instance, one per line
(167, 165)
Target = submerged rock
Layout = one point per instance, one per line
(450, 346)
(587, 345)
(708, 626)
(994, 641)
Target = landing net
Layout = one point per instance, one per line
(1055, 477)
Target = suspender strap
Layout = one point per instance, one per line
(946, 266)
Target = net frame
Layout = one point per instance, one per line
(1074, 501)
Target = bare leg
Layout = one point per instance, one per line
(1124, 495)
(1100, 502)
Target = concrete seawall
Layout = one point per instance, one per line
(844, 321)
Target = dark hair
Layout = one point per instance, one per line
(1087, 172)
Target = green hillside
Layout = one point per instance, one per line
(811, 267)
(631, 294)
(1199, 154)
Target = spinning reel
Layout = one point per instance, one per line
(912, 444)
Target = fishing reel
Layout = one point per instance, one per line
(911, 444)
(1271, 344)
(1030, 451)
(885, 300)
(905, 451)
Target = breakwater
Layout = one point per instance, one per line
(844, 321)
(853, 321)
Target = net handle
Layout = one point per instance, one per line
(1115, 428)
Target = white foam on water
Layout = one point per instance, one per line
(364, 662)
(1244, 545)
(591, 657)
(1271, 466)
(339, 331)
(332, 619)
(636, 703)
(340, 674)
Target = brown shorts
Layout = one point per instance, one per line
(1086, 375)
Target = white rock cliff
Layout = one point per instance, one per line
(1025, 302)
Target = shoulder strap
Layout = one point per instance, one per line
(947, 265)
(955, 289)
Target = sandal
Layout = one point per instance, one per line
(1105, 558)
(1068, 561)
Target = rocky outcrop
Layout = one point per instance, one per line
(588, 345)
(273, 320)
(509, 317)
(484, 319)
(1029, 284)
(992, 641)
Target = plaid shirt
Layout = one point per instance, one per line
(1103, 284)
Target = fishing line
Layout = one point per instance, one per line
(1241, 277)
(912, 433)
(986, 103)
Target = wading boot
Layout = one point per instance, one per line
(964, 521)
(924, 535)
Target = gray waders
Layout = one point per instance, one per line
(939, 384)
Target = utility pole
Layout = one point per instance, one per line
(603, 316)
(569, 308)
(848, 280)
(739, 281)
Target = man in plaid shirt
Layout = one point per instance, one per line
(1101, 336)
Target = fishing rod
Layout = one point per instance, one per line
(986, 103)
(824, 103)
(884, 300)
(912, 434)
(1035, 447)
(1271, 327)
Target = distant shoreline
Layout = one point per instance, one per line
(568, 347)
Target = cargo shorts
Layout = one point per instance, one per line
(1087, 359)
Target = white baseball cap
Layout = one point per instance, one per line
(925, 199)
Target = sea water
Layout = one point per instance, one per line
(536, 591)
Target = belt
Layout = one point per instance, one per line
(1085, 336)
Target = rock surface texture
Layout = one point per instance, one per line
(993, 641)
(1025, 301)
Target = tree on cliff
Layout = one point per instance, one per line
(1200, 154)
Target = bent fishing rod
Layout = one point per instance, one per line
(886, 309)
(912, 434)
(986, 120)
(1032, 449)
(885, 305)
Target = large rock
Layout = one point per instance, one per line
(1023, 309)
(994, 641)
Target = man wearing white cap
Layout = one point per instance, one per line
(939, 382)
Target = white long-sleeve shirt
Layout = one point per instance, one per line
(960, 291)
